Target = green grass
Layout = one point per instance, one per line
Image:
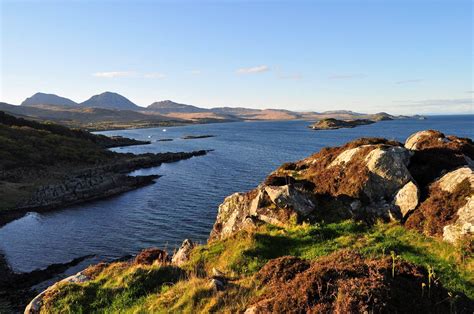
(142, 289)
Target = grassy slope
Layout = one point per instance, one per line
(33, 153)
(142, 289)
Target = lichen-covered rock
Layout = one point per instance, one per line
(366, 179)
(287, 196)
(182, 255)
(464, 224)
(448, 211)
(389, 172)
(407, 198)
(435, 154)
(416, 140)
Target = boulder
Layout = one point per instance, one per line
(389, 172)
(183, 254)
(289, 197)
(407, 198)
(448, 210)
(463, 226)
(415, 141)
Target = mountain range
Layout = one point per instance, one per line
(111, 111)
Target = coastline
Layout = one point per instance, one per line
(94, 183)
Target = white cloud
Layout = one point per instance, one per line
(196, 72)
(113, 74)
(252, 70)
(154, 75)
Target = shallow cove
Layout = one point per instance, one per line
(183, 203)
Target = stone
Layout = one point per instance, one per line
(183, 254)
(463, 226)
(388, 167)
(217, 284)
(413, 141)
(451, 180)
(288, 197)
(407, 198)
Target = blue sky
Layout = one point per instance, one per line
(396, 56)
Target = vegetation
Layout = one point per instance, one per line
(138, 288)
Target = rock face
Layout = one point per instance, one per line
(367, 179)
(407, 198)
(183, 254)
(359, 180)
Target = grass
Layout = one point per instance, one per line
(142, 289)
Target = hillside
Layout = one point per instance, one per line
(113, 111)
(47, 99)
(92, 119)
(372, 226)
(44, 166)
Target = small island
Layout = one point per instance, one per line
(164, 140)
(334, 124)
(193, 137)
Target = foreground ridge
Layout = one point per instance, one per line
(370, 226)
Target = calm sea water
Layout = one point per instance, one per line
(184, 201)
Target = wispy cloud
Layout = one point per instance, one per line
(113, 74)
(451, 105)
(409, 81)
(252, 70)
(470, 92)
(128, 74)
(346, 76)
(154, 75)
(195, 72)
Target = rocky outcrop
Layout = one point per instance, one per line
(435, 154)
(367, 179)
(183, 254)
(448, 211)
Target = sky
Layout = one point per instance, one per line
(403, 57)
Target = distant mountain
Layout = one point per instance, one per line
(47, 99)
(168, 106)
(109, 100)
(90, 118)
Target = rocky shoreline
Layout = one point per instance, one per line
(334, 124)
(94, 183)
